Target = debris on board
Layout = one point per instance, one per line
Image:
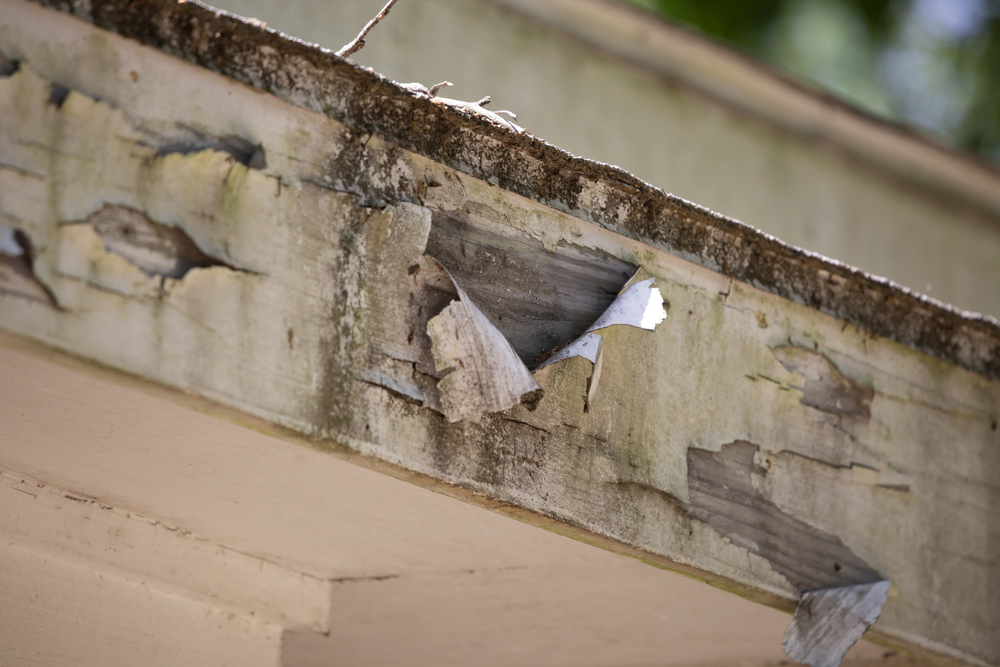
(475, 108)
(827, 623)
(481, 372)
(358, 42)
(639, 304)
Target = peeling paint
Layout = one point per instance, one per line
(481, 372)
(914, 477)
(827, 623)
(371, 105)
(155, 248)
(17, 268)
(638, 305)
(187, 140)
(538, 298)
(841, 594)
(826, 388)
(723, 495)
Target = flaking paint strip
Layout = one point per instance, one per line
(841, 595)
(826, 387)
(481, 371)
(828, 622)
(639, 304)
(155, 248)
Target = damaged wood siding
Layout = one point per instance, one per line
(318, 80)
(292, 274)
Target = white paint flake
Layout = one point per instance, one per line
(484, 374)
(639, 304)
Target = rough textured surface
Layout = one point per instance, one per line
(323, 329)
(723, 495)
(480, 372)
(537, 298)
(827, 623)
(317, 79)
(826, 388)
(157, 249)
(639, 305)
(679, 111)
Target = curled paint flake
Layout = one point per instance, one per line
(639, 304)
(482, 372)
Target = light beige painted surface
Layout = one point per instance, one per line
(581, 98)
(59, 611)
(135, 504)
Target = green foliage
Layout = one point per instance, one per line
(934, 64)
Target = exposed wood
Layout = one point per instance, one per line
(480, 372)
(17, 273)
(522, 164)
(156, 249)
(723, 495)
(826, 388)
(639, 305)
(539, 298)
(883, 449)
(828, 622)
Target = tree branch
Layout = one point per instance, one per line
(359, 41)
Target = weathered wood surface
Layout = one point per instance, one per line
(312, 315)
(828, 622)
(538, 298)
(520, 163)
(610, 82)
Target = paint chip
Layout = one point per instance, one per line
(639, 304)
(155, 248)
(826, 387)
(481, 372)
(827, 623)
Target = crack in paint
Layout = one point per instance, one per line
(155, 248)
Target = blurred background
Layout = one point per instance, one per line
(933, 64)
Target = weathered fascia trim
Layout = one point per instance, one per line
(317, 79)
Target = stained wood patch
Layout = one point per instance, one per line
(722, 495)
(826, 388)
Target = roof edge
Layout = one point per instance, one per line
(743, 83)
(317, 79)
